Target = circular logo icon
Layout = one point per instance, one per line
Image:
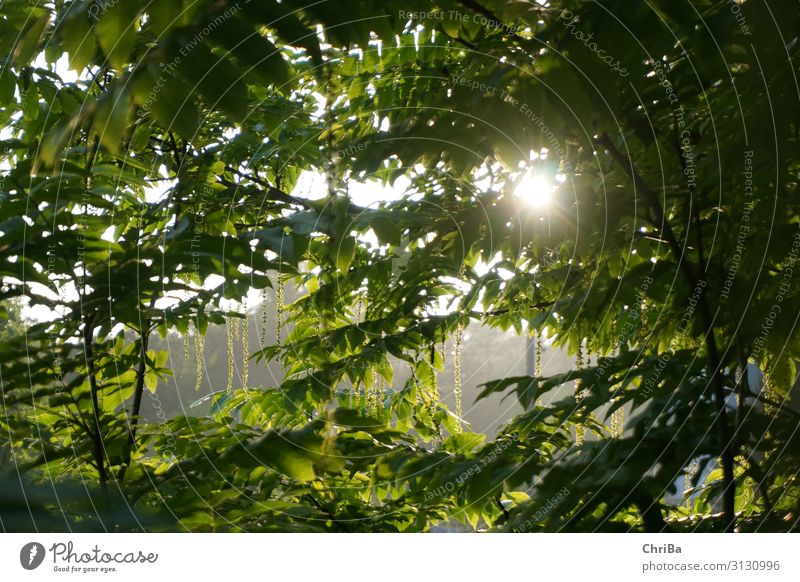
(31, 555)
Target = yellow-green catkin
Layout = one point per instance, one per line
(280, 309)
(536, 335)
(368, 394)
(537, 362)
(691, 471)
(739, 377)
(186, 349)
(457, 341)
(618, 422)
(618, 416)
(768, 386)
(380, 397)
(264, 318)
(229, 325)
(359, 310)
(199, 348)
(245, 333)
(580, 430)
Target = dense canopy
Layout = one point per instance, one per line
(617, 179)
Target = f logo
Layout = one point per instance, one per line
(31, 555)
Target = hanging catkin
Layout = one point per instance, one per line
(691, 471)
(186, 346)
(199, 345)
(618, 416)
(280, 309)
(359, 310)
(236, 328)
(537, 362)
(741, 379)
(245, 332)
(229, 327)
(536, 335)
(617, 422)
(380, 397)
(368, 396)
(768, 386)
(459, 335)
(264, 318)
(580, 431)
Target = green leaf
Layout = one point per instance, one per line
(27, 46)
(111, 119)
(291, 453)
(79, 40)
(30, 103)
(283, 19)
(252, 51)
(217, 81)
(116, 32)
(163, 95)
(8, 86)
(140, 137)
(500, 385)
(345, 253)
(167, 14)
(151, 381)
(387, 231)
(463, 442)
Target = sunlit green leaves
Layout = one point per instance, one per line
(116, 28)
(156, 192)
(78, 36)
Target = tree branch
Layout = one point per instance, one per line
(271, 190)
(97, 436)
(721, 419)
(327, 512)
(499, 24)
(137, 403)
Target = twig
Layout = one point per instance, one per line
(721, 420)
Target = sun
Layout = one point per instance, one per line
(535, 189)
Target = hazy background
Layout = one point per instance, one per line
(487, 354)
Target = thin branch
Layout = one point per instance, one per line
(137, 404)
(175, 152)
(499, 24)
(327, 512)
(502, 508)
(721, 420)
(651, 197)
(496, 312)
(97, 436)
(271, 190)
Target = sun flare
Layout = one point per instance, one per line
(535, 189)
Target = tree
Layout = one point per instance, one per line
(152, 189)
